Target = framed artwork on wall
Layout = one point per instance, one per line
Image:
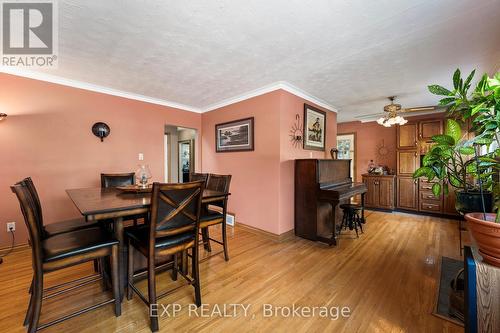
(314, 128)
(236, 135)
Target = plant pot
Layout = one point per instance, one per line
(469, 202)
(486, 232)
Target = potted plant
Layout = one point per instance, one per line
(475, 164)
(450, 161)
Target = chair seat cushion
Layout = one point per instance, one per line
(56, 228)
(76, 242)
(139, 236)
(211, 218)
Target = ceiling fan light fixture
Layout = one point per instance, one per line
(392, 117)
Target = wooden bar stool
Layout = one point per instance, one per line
(111, 180)
(210, 217)
(195, 176)
(61, 251)
(351, 218)
(173, 229)
(56, 228)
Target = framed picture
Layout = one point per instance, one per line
(235, 135)
(314, 128)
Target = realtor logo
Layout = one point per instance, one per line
(29, 34)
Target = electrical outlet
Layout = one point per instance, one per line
(11, 226)
(141, 157)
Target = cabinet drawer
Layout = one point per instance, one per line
(428, 195)
(430, 206)
(425, 185)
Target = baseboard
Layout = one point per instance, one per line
(274, 237)
(15, 248)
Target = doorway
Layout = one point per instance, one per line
(346, 145)
(179, 145)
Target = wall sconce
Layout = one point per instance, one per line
(101, 130)
(296, 132)
(2, 116)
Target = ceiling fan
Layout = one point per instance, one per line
(393, 113)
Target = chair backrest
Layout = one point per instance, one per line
(219, 182)
(32, 219)
(34, 194)
(117, 179)
(175, 208)
(194, 176)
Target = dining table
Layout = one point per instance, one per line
(113, 205)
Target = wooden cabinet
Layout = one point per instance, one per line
(408, 162)
(380, 191)
(429, 128)
(407, 136)
(407, 189)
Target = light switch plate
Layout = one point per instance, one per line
(141, 157)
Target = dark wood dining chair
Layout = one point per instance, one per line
(56, 228)
(60, 251)
(117, 179)
(212, 217)
(173, 229)
(110, 180)
(60, 227)
(195, 176)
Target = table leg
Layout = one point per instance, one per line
(363, 208)
(122, 254)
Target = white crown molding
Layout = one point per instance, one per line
(96, 88)
(269, 88)
(120, 93)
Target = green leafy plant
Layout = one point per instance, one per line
(450, 159)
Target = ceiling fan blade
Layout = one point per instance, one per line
(423, 109)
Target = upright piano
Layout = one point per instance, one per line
(320, 186)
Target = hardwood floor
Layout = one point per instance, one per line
(388, 278)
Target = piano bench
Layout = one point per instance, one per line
(351, 218)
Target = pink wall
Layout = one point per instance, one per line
(255, 175)
(262, 184)
(292, 105)
(47, 136)
(369, 137)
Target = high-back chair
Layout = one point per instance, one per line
(55, 228)
(60, 227)
(195, 176)
(173, 229)
(219, 183)
(117, 179)
(110, 180)
(60, 251)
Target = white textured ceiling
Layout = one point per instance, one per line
(348, 53)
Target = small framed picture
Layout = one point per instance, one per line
(314, 128)
(235, 135)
